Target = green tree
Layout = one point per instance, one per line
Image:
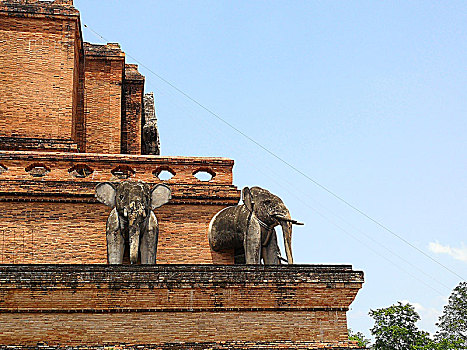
(453, 322)
(359, 337)
(444, 344)
(395, 329)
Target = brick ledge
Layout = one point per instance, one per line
(177, 273)
(228, 345)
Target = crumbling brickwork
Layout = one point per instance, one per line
(132, 112)
(150, 139)
(89, 305)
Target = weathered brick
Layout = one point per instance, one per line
(104, 72)
(39, 55)
(132, 111)
(58, 93)
(91, 305)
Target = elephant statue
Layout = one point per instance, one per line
(132, 223)
(250, 226)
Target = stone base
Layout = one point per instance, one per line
(178, 306)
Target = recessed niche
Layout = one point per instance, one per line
(204, 174)
(164, 173)
(123, 172)
(3, 169)
(80, 171)
(37, 170)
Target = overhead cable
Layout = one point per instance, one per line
(309, 178)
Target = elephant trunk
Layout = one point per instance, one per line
(135, 217)
(134, 243)
(287, 232)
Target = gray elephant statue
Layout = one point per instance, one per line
(250, 227)
(132, 222)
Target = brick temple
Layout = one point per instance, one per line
(72, 115)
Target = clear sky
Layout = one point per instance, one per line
(368, 98)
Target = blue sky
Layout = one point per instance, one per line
(367, 98)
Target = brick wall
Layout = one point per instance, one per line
(91, 305)
(102, 165)
(55, 218)
(45, 232)
(147, 327)
(132, 110)
(104, 70)
(54, 232)
(43, 3)
(60, 94)
(79, 122)
(224, 345)
(37, 79)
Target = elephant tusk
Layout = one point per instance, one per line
(283, 218)
(295, 222)
(125, 212)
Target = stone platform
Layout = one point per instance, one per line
(178, 306)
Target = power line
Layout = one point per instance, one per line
(287, 185)
(190, 113)
(218, 117)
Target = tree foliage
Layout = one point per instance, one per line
(453, 322)
(359, 337)
(395, 329)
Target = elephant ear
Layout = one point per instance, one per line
(160, 195)
(105, 193)
(248, 199)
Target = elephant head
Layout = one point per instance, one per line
(270, 211)
(132, 218)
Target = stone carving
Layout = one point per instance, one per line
(251, 226)
(151, 143)
(132, 224)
